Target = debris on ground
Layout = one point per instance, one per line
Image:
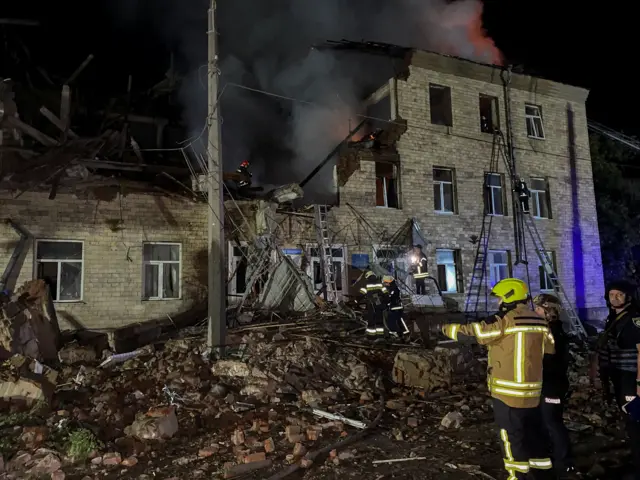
(304, 395)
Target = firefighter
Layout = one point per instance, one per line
(555, 387)
(374, 292)
(395, 323)
(419, 269)
(523, 195)
(617, 357)
(517, 339)
(245, 182)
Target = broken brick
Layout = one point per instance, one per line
(306, 463)
(412, 422)
(299, 450)
(293, 433)
(129, 462)
(113, 458)
(269, 445)
(313, 433)
(208, 451)
(255, 457)
(237, 438)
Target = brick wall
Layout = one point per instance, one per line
(112, 273)
(573, 226)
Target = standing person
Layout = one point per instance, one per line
(555, 387)
(419, 269)
(395, 323)
(517, 339)
(374, 292)
(617, 357)
(523, 195)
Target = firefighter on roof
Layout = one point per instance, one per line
(517, 339)
(395, 323)
(374, 292)
(245, 180)
(617, 358)
(419, 269)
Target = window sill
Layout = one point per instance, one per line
(63, 302)
(496, 215)
(450, 293)
(388, 208)
(442, 212)
(160, 299)
(535, 138)
(540, 218)
(547, 290)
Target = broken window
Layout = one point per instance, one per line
(161, 272)
(60, 264)
(494, 198)
(546, 271)
(440, 104)
(488, 114)
(443, 190)
(314, 271)
(448, 262)
(540, 201)
(386, 185)
(533, 115)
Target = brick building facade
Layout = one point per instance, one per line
(435, 173)
(141, 257)
(111, 263)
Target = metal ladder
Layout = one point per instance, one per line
(324, 254)
(479, 268)
(479, 272)
(547, 262)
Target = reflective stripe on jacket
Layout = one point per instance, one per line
(420, 268)
(517, 343)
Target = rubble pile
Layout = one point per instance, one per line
(277, 402)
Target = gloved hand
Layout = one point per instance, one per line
(435, 328)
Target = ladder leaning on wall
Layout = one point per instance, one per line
(327, 268)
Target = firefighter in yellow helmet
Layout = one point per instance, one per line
(517, 339)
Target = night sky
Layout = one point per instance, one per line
(590, 46)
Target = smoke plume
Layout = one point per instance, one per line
(312, 95)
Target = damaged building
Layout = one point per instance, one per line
(424, 163)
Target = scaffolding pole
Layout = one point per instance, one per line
(216, 331)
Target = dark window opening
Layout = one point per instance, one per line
(386, 185)
(488, 114)
(440, 105)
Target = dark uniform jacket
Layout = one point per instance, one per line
(555, 379)
(618, 352)
(394, 299)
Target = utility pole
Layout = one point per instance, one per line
(217, 328)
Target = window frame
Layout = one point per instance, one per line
(56, 295)
(441, 190)
(545, 276)
(457, 264)
(492, 264)
(535, 198)
(493, 101)
(447, 121)
(540, 135)
(160, 272)
(489, 195)
(385, 193)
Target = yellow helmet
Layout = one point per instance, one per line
(387, 279)
(511, 290)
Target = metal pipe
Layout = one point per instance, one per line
(517, 218)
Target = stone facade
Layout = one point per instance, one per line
(571, 234)
(112, 235)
